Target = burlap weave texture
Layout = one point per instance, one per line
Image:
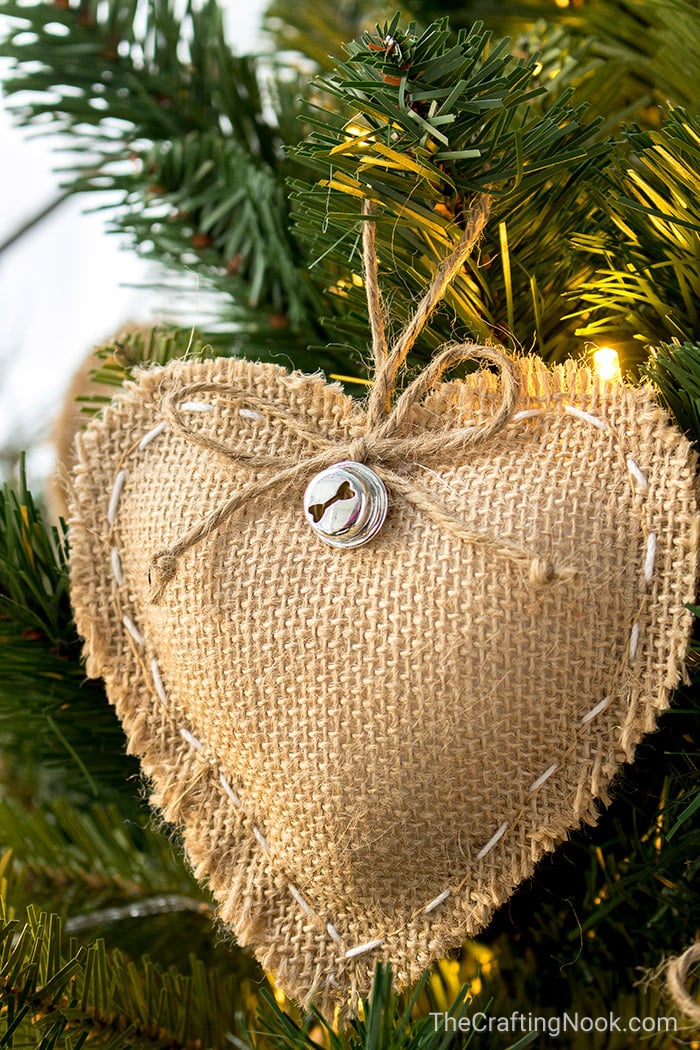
(368, 750)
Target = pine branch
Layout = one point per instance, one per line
(201, 203)
(642, 38)
(33, 567)
(675, 370)
(64, 721)
(83, 858)
(633, 45)
(646, 287)
(385, 1021)
(314, 30)
(169, 117)
(420, 125)
(118, 878)
(164, 72)
(115, 361)
(160, 110)
(57, 997)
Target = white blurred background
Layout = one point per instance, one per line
(68, 283)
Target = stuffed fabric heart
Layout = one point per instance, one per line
(368, 749)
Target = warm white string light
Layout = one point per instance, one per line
(606, 363)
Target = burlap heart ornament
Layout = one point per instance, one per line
(368, 749)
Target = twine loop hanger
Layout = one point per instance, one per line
(389, 439)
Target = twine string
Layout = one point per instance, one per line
(387, 367)
(389, 436)
(375, 308)
(677, 973)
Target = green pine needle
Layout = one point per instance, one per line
(674, 369)
(57, 996)
(49, 713)
(385, 1020)
(646, 287)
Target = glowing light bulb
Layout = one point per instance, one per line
(606, 363)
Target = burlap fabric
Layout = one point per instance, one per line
(72, 417)
(367, 750)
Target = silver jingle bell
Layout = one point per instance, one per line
(346, 504)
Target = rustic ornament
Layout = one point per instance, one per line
(368, 748)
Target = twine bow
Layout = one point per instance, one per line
(386, 442)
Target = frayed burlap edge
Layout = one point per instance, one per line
(255, 899)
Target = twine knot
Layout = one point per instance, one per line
(360, 449)
(162, 570)
(542, 571)
(390, 436)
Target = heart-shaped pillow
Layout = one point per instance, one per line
(368, 749)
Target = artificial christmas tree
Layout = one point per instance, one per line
(593, 230)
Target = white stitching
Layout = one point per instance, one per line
(436, 901)
(492, 841)
(196, 406)
(300, 900)
(114, 498)
(117, 567)
(229, 791)
(133, 630)
(191, 739)
(148, 438)
(637, 474)
(595, 711)
(248, 413)
(650, 557)
(634, 640)
(158, 681)
(261, 838)
(360, 949)
(543, 777)
(586, 417)
(527, 413)
(333, 933)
